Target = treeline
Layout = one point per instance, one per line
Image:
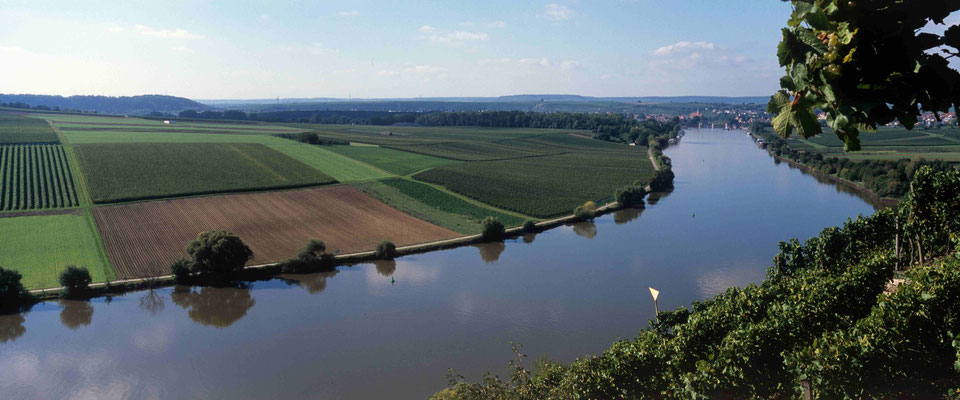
(885, 178)
(823, 322)
(136, 105)
(312, 138)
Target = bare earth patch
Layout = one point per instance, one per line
(142, 239)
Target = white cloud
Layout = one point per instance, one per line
(567, 65)
(426, 29)
(264, 17)
(166, 33)
(387, 73)
(115, 29)
(423, 69)
(683, 47)
(458, 38)
(557, 12)
(497, 24)
(495, 60)
(318, 49)
(182, 49)
(535, 61)
(12, 49)
(351, 13)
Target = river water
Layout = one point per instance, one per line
(392, 329)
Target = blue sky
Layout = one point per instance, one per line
(246, 49)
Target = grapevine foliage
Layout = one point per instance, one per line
(864, 63)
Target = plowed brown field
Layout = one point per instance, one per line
(142, 239)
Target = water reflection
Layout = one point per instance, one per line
(152, 302)
(586, 229)
(528, 237)
(655, 197)
(214, 306)
(76, 313)
(625, 215)
(490, 252)
(313, 283)
(11, 327)
(385, 267)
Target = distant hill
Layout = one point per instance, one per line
(527, 101)
(127, 105)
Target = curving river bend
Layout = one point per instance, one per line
(391, 329)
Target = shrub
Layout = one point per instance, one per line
(180, 270)
(630, 196)
(75, 280)
(492, 229)
(12, 292)
(386, 250)
(529, 226)
(587, 211)
(218, 253)
(309, 258)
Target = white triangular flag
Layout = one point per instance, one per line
(654, 293)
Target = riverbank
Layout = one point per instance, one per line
(885, 201)
(266, 270)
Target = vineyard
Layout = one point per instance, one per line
(542, 186)
(19, 129)
(35, 177)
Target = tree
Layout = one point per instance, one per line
(587, 211)
(12, 292)
(218, 253)
(386, 250)
(864, 64)
(75, 280)
(492, 229)
(630, 196)
(188, 114)
(310, 258)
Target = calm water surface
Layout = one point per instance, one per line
(391, 329)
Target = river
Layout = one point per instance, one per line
(392, 329)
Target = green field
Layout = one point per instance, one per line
(39, 247)
(133, 171)
(390, 160)
(416, 208)
(449, 203)
(34, 177)
(543, 186)
(342, 168)
(888, 143)
(19, 129)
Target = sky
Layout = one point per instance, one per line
(378, 49)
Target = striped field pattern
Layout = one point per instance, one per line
(35, 177)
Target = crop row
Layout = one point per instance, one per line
(20, 129)
(543, 186)
(35, 177)
(449, 203)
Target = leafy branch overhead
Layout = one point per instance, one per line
(864, 64)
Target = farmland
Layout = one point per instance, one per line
(133, 171)
(19, 129)
(542, 186)
(39, 247)
(888, 144)
(35, 177)
(390, 160)
(416, 184)
(142, 239)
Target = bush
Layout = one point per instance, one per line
(180, 270)
(586, 212)
(386, 250)
(492, 229)
(218, 253)
(630, 196)
(309, 259)
(529, 226)
(75, 280)
(12, 292)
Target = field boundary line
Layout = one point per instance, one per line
(84, 203)
(470, 200)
